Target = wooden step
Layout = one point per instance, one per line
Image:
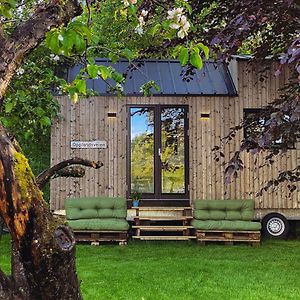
(163, 238)
(162, 228)
(162, 208)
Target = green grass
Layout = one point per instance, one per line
(180, 270)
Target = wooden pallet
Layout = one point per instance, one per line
(97, 237)
(228, 237)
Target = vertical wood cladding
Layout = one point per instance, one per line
(88, 120)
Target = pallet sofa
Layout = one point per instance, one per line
(226, 221)
(98, 219)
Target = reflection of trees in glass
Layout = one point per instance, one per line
(142, 151)
(173, 177)
(172, 149)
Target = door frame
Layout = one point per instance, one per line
(157, 195)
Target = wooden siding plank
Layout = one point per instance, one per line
(88, 120)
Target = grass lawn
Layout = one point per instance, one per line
(182, 270)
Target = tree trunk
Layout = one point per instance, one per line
(43, 255)
(43, 248)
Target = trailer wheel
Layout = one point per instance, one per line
(275, 225)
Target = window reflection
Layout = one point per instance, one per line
(142, 149)
(172, 157)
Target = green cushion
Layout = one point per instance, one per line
(226, 225)
(224, 210)
(95, 207)
(99, 224)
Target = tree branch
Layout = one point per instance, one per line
(30, 33)
(46, 175)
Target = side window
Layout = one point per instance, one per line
(259, 123)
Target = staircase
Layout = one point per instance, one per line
(162, 223)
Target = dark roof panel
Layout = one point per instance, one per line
(213, 79)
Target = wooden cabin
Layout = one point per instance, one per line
(162, 145)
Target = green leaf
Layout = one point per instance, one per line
(39, 112)
(155, 29)
(92, 71)
(74, 97)
(52, 41)
(79, 43)
(184, 56)
(116, 76)
(205, 49)
(166, 24)
(176, 51)
(91, 60)
(113, 57)
(127, 53)
(68, 40)
(45, 121)
(81, 86)
(105, 72)
(196, 59)
(188, 7)
(9, 106)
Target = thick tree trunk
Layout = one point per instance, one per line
(43, 247)
(43, 252)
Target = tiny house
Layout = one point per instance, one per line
(161, 146)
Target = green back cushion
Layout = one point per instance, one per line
(95, 207)
(224, 210)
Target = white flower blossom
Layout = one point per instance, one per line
(174, 26)
(20, 71)
(141, 21)
(186, 26)
(56, 58)
(175, 13)
(179, 21)
(120, 87)
(144, 13)
(181, 34)
(139, 29)
(128, 2)
(60, 37)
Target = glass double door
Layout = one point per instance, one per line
(158, 154)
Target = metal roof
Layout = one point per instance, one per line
(212, 80)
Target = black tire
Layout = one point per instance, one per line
(275, 225)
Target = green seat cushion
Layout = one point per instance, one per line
(224, 210)
(99, 224)
(225, 225)
(95, 207)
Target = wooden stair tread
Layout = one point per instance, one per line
(220, 239)
(162, 228)
(162, 208)
(163, 238)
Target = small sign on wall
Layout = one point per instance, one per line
(88, 144)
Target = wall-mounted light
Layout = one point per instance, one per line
(204, 116)
(111, 115)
